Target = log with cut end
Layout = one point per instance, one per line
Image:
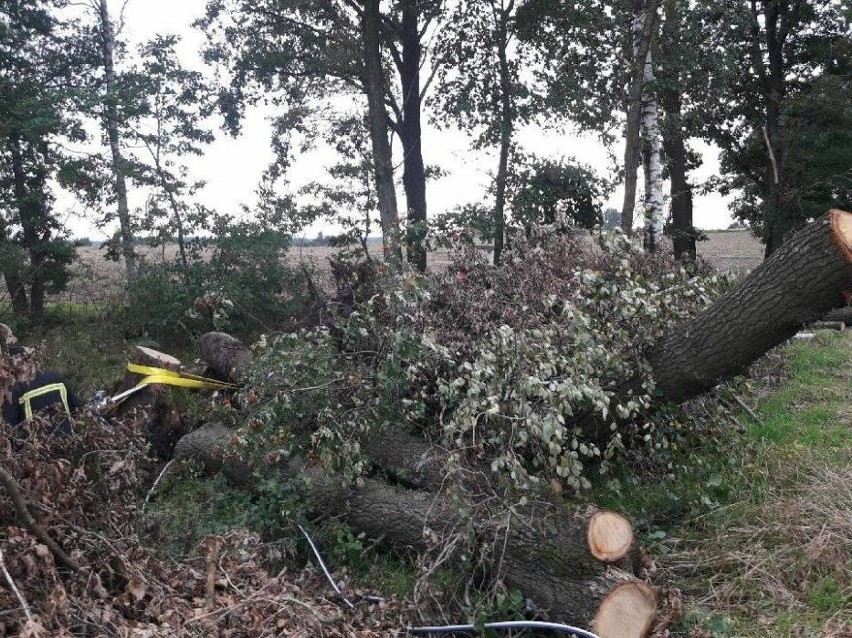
(152, 407)
(610, 536)
(627, 611)
(553, 555)
(226, 355)
(798, 284)
(843, 315)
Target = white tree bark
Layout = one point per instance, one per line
(651, 145)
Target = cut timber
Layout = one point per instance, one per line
(798, 284)
(626, 612)
(541, 548)
(226, 356)
(610, 536)
(152, 406)
(840, 314)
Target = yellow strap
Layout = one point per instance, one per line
(45, 389)
(181, 379)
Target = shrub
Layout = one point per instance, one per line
(498, 363)
(240, 285)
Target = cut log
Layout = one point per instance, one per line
(610, 536)
(627, 611)
(211, 447)
(542, 549)
(798, 284)
(226, 356)
(843, 314)
(152, 406)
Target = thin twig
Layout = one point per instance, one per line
(154, 486)
(325, 569)
(14, 588)
(751, 412)
(30, 523)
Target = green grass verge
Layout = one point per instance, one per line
(755, 529)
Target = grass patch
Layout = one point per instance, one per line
(756, 529)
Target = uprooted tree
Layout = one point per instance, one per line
(427, 419)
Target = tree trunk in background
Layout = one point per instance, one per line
(798, 284)
(118, 163)
(382, 160)
(643, 26)
(650, 128)
(29, 196)
(506, 129)
(414, 171)
(674, 144)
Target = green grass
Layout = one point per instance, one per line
(756, 528)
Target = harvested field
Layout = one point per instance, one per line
(96, 280)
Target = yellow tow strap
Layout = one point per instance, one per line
(27, 397)
(181, 379)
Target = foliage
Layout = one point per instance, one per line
(542, 190)
(496, 363)
(39, 113)
(87, 489)
(236, 281)
(785, 68)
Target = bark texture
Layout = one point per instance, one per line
(652, 164)
(118, 162)
(798, 284)
(382, 160)
(414, 170)
(229, 359)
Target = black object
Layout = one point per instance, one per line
(13, 412)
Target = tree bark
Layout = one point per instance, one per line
(562, 560)
(798, 284)
(118, 163)
(414, 170)
(643, 27)
(382, 159)
(506, 129)
(651, 160)
(674, 143)
(226, 356)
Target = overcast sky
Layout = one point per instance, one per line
(232, 167)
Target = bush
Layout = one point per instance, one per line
(241, 286)
(496, 363)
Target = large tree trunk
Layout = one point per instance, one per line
(382, 160)
(414, 171)
(798, 284)
(572, 565)
(118, 163)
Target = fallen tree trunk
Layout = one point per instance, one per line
(798, 284)
(226, 356)
(574, 566)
